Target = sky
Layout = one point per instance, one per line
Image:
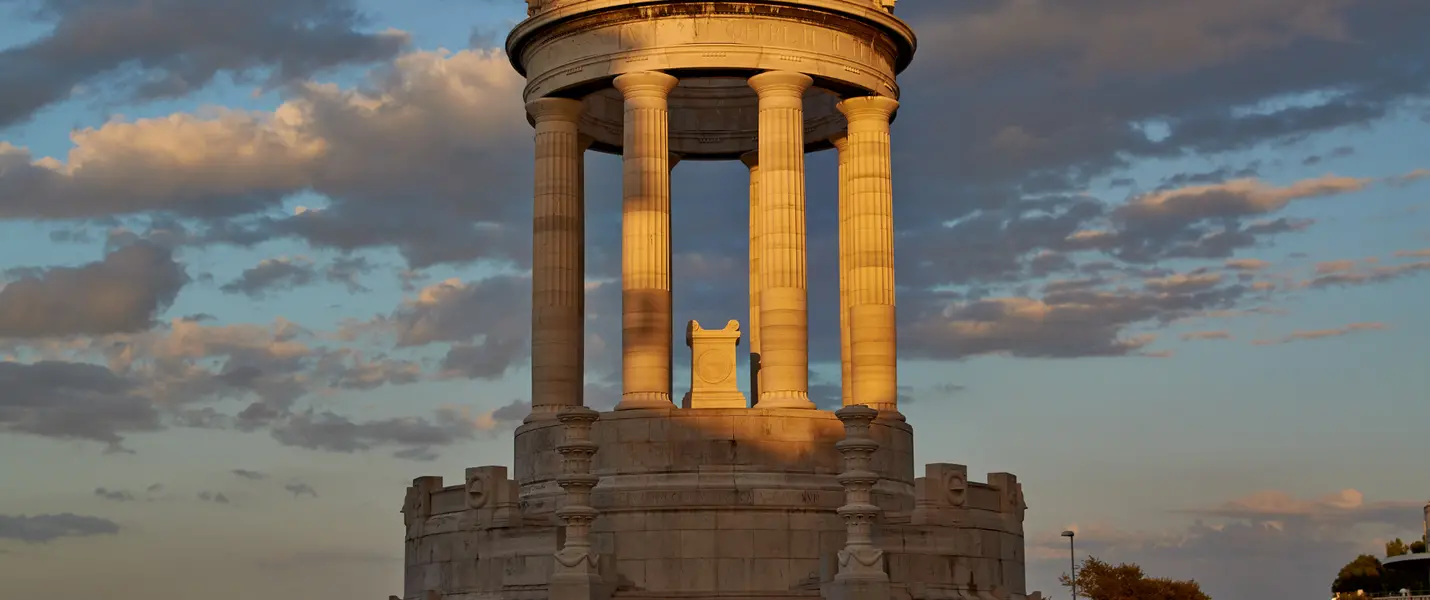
(1166, 262)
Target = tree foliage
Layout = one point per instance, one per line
(1396, 547)
(1417, 547)
(1363, 573)
(1099, 580)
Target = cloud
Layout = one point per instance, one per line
(73, 401)
(423, 161)
(214, 497)
(271, 274)
(1345, 507)
(122, 293)
(1206, 335)
(286, 273)
(1066, 322)
(1247, 264)
(1319, 334)
(115, 495)
(1266, 545)
(40, 529)
(336, 433)
(299, 488)
(1349, 273)
(249, 475)
(482, 348)
(179, 47)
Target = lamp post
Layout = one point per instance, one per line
(1072, 560)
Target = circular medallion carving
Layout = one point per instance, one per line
(956, 486)
(714, 366)
(476, 491)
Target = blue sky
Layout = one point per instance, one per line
(1268, 432)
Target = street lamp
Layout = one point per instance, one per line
(1072, 560)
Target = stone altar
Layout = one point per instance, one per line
(763, 499)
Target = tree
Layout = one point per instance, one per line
(1395, 548)
(1363, 573)
(1417, 547)
(1102, 581)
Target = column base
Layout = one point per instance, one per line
(542, 413)
(793, 399)
(642, 400)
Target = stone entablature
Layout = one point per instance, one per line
(576, 49)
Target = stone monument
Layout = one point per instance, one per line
(764, 499)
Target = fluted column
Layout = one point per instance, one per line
(558, 269)
(846, 378)
(784, 297)
(645, 242)
(868, 263)
(752, 161)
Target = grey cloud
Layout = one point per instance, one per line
(483, 348)
(299, 488)
(214, 497)
(336, 433)
(272, 274)
(122, 293)
(72, 401)
(1064, 323)
(39, 529)
(249, 475)
(178, 46)
(286, 273)
(115, 495)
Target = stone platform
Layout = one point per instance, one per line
(715, 503)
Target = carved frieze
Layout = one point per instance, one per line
(727, 35)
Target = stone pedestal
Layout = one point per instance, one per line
(713, 381)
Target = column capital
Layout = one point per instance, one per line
(868, 108)
(840, 142)
(781, 84)
(751, 159)
(555, 109)
(645, 84)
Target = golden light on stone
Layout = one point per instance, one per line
(723, 496)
